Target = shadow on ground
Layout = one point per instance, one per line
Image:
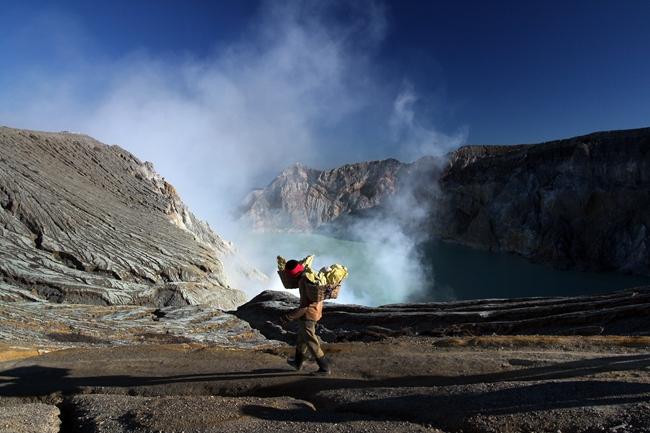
(39, 380)
(490, 394)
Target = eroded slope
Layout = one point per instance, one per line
(83, 222)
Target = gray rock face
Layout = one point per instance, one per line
(619, 313)
(302, 198)
(83, 222)
(46, 326)
(583, 202)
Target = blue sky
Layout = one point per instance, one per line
(509, 71)
(523, 71)
(240, 89)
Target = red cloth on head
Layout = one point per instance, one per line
(295, 271)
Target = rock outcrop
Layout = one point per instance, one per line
(583, 202)
(46, 326)
(619, 313)
(83, 222)
(302, 199)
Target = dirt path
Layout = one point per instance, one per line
(406, 384)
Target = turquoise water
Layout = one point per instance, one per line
(388, 272)
(471, 274)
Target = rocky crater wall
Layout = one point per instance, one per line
(582, 202)
(303, 199)
(83, 222)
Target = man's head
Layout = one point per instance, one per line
(293, 268)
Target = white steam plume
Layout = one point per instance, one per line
(218, 125)
(415, 138)
(393, 237)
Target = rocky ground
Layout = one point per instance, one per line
(476, 384)
(407, 367)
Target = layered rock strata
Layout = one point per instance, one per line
(45, 326)
(83, 222)
(619, 313)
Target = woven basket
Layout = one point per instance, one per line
(333, 292)
(317, 293)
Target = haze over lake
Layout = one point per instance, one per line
(449, 271)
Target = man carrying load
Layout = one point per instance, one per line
(299, 273)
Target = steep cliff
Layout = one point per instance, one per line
(619, 313)
(582, 202)
(83, 222)
(303, 199)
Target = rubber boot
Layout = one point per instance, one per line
(296, 361)
(323, 365)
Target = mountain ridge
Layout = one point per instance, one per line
(579, 202)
